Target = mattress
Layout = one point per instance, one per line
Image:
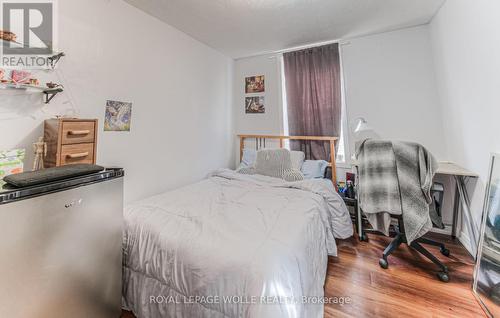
(232, 245)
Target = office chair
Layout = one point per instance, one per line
(400, 238)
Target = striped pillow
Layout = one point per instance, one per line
(276, 163)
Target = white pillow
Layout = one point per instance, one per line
(248, 159)
(314, 169)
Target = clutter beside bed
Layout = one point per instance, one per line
(347, 188)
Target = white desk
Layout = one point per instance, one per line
(452, 169)
(461, 200)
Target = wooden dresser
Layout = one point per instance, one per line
(70, 141)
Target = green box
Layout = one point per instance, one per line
(11, 162)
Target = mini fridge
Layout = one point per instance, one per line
(61, 248)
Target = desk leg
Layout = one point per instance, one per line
(466, 213)
(361, 233)
(456, 208)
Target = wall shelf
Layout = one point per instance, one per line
(50, 93)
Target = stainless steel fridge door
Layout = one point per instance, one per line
(61, 254)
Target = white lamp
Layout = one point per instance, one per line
(362, 131)
(362, 125)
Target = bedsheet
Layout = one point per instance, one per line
(232, 245)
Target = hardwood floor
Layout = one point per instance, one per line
(408, 288)
(127, 314)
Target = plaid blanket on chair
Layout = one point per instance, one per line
(396, 178)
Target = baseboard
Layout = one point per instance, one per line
(446, 230)
(465, 240)
(463, 237)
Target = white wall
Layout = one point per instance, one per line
(389, 80)
(181, 93)
(466, 49)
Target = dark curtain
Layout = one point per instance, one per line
(313, 93)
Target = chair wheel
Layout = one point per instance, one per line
(445, 252)
(443, 277)
(383, 263)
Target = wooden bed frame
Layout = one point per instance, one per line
(260, 142)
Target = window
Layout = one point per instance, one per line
(311, 106)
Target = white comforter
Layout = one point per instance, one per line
(232, 246)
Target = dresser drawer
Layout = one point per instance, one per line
(70, 141)
(78, 132)
(77, 153)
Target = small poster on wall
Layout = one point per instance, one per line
(254, 84)
(255, 105)
(11, 162)
(118, 116)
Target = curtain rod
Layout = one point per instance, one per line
(302, 47)
(341, 42)
(297, 48)
(312, 45)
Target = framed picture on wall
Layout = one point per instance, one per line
(117, 116)
(255, 105)
(255, 84)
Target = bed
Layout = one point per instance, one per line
(232, 245)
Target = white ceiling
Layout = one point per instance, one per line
(240, 28)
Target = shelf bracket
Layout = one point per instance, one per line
(51, 93)
(54, 59)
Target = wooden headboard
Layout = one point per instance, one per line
(260, 142)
